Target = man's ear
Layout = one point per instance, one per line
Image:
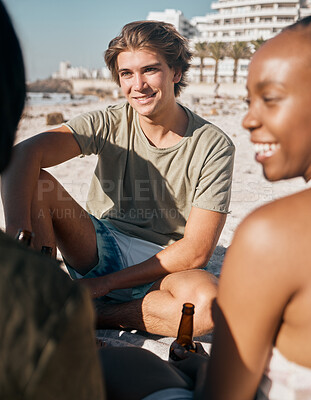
(177, 75)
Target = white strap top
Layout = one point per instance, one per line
(284, 380)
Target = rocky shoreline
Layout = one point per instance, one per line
(50, 86)
(84, 87)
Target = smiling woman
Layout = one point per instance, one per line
(262, 318)
(278, 118)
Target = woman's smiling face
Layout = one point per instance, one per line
(279, 97)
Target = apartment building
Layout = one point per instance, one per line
(176, 18)
(243, 21)
(233, 21)
(247, 20)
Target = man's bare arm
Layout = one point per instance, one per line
(19, 180)
(202, 232)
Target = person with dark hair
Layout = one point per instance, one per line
(158, 198)
(13, 88)
(47, 346)
(261, 345)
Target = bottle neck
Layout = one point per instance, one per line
(185, 331)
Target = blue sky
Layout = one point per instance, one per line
(79, 30)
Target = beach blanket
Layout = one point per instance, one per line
(158, 345)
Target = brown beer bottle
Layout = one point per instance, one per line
(24, 236)
(47, 250)
(185, 332)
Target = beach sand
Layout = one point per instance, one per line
(249, 189)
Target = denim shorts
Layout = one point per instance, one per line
(117, 251)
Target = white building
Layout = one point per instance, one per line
(246, 20)
(64, 67)
(66, 71)
(176, 18)
(243, 21)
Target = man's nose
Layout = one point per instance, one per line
(139, 82)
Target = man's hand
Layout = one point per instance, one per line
(18, 189)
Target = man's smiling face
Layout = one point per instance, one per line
(147, 81)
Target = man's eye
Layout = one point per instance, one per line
(150, 69)
(247, 100)
(125, 73)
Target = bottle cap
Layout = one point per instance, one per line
(188, 308)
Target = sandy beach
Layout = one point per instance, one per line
(249, 190)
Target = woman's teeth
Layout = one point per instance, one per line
(266, 149)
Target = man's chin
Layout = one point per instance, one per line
(143, 110)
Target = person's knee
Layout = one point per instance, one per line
(205, 294)
(43, 194)
(199, 288)
(50, 193)
(46, 185)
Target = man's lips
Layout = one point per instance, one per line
(143, 98)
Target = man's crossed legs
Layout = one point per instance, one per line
(58, 220)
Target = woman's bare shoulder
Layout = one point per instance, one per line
(280, 220)
(270, 249)
(278, 233)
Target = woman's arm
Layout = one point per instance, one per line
(254, 289)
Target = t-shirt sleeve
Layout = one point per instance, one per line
(90, 131)
(213, 191)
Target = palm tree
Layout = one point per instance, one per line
(257, 43)
(237, 51)
(217, 51)
(200, 50)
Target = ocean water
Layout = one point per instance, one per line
(41, 99)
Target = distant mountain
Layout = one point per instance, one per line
(50, 86)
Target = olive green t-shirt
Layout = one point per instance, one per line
(148, 192)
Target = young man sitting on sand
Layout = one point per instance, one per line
(158, 198)
(261, 344)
